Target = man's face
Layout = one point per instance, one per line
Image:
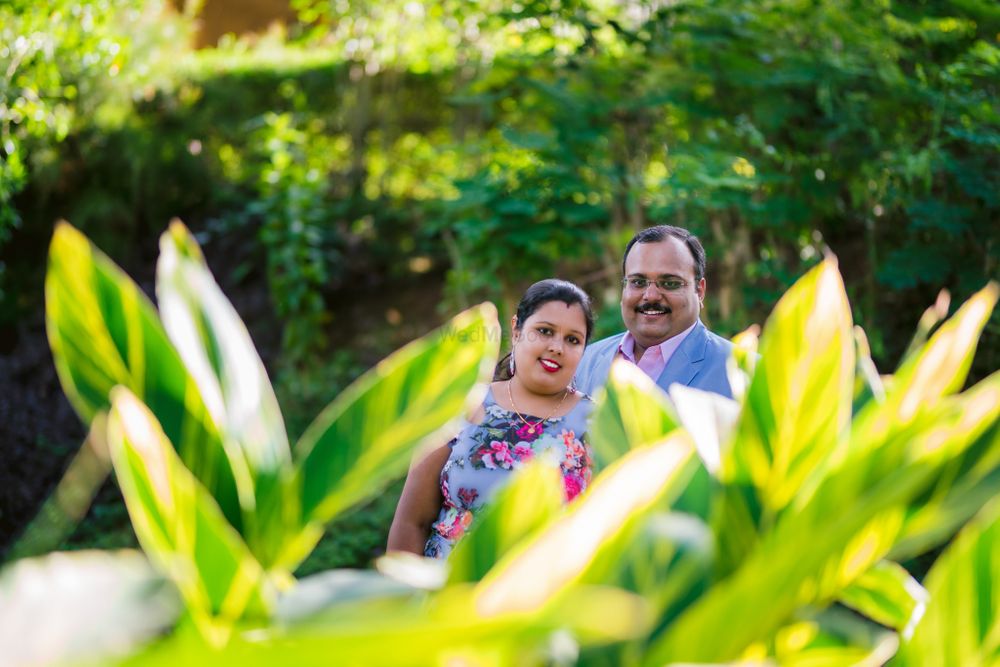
(655, 314)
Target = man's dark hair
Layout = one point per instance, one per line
(660, 233)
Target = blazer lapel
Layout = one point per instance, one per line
(602, 363)
(686, 361)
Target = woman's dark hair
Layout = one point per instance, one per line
(536, 296)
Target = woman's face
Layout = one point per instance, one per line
(548, 346)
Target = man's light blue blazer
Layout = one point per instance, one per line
(699, 362)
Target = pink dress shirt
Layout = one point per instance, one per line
(655, 358)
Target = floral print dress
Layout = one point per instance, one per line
(484, 454)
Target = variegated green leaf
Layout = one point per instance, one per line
(968, 480)
(742, 364)
(868, 383)
(443, 629)
(632, 412)
(537, 570)
(887, 593)
(798, 404)
(104, 332)
(178, 523)
(834, 637)
(815, 551)
(533, 497)
(365, 438)
(927, 376)
(962, 622)
(934, 314)
(84, 606)
(220, 356)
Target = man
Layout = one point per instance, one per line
(662, 295)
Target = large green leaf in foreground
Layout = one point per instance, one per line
(221, 358)
(631, 412)
(799, 403)
(366, 437)
(66, 608)
(529, 501)
(443, 629)
(104, 332)
(962, 622)
(178, 523)
(545, 565)
(848, 519)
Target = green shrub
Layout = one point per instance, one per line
(716, 530)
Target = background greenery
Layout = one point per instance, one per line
(377, 165)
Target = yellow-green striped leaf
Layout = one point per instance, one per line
(962, 622)
(798, 404)
(632, 412)
(532, 498)
(853, 520)
(537, 570)
(969, 479)
(82, 607)
(178, 523)
(444, 629)
(887, 593)
(220, 356)
(365, 438)
(930, 374)
(104, 332)
(834, 637)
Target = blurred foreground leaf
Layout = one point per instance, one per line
(178, 523)
(104, 332)
(81, 606)
(366, 437)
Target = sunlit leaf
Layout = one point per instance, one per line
(834, 638)
(798, 404)
(710, 418)
(178, 523)
(311, 595)
(934, 314)
(969, 477)
(929, 375)
(365, 438)
(868, 383)
(817, 550)
(632, 413)
(417, 572)
(104, 332)
(81, 606)
(67, 505)
(742, 363)
(887, 593)
(532, 498)
(962, 623)
(400, 632)
(538, 569)
(218, 353)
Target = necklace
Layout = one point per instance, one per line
(532, 426)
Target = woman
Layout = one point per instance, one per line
(530, 410)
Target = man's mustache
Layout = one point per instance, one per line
(648, 306)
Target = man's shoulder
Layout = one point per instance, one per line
(710, 346)
(718, 341)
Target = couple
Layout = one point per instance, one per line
(539, 402)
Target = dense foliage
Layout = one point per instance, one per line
(780, 510)
(507, 141)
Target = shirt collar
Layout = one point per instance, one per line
(667, 347)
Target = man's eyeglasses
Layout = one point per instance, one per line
(663, 284)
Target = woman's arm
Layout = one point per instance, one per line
(419, 504)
